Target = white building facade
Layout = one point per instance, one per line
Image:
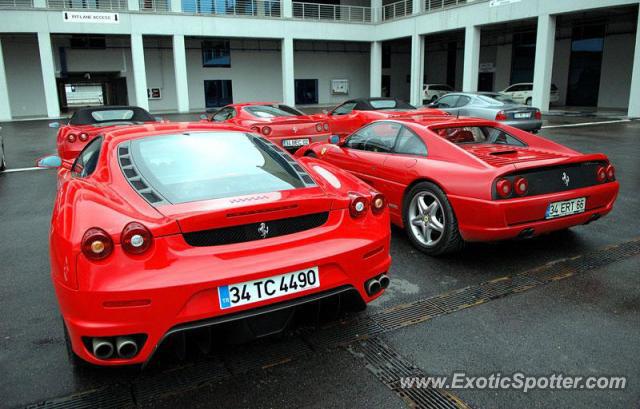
(192, 55)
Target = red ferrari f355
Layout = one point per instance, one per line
(161, 229)
(452, 180)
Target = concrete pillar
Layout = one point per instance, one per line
(5, 108)
(133, 5)
(139, 71)
(180, 70)
(376, 11)
(417, 69)
(48, 75)
(545, 42)
(286, 7)
(288, 78)
(417, 6)
(471, 59)
(375, 70)
(176, 6)
(634, 97)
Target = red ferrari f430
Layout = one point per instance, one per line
(161, 229)
(452, 180)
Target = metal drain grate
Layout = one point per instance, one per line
(407, 314)
(343, 333)
(111, 397)
(389, 367)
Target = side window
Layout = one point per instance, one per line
(409, 143)
(87, 161)
(448, 101)
(512, 88)
(528, 87)
(378, 137)
(462, 101)
(344, 109)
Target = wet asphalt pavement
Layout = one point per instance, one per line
(584, 325)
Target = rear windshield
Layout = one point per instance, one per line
(105, 115)
(478, 135)
(112, 115)
(211, 165)
(271, 111)
(496, 99)
(389, 104)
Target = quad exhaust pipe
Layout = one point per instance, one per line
(126, 347)
(376, 284)
(102, 348)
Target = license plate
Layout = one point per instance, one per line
(522, 115)
(566, 208)
(266, 288)
(291, 143)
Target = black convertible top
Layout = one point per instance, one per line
(364, 104)
(84, 116)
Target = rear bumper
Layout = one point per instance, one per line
(525, 125)
(482, 220)
(279, 140)
(176, 288)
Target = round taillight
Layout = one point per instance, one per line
(96, 244)
(135, 238)
(504, 187)
(71, 138)
(318, 127)
(83, 137)
(266, 130)
(325, 127)
(601, 174)
(520, 186)
(358, 206)
(378, 203)
(611, 172)
(501, 116)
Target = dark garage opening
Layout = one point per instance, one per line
(217, 93)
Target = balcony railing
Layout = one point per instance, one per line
(398, 9)
(88, 4)
(437, 5)
(255, 8)
(15, 4)
(331, 12)
(154, 6)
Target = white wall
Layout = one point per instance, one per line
(255, 75)
(326, 66)
(24, 77)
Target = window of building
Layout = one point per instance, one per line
(216, 54)
(217, 93)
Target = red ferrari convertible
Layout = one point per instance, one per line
(162, 229)
(352, 114)
(452, 180)
(86, 123)
(282, 124)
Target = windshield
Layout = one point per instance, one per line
(478, 135)
(211, 165)
(271, 111)
(496, 99)
(390, 104)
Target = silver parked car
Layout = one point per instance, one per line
(491, 105)
(3, 164)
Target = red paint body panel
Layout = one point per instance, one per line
(285, 127)
(467, 172)
(178, 282)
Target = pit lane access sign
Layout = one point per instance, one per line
(90, 17)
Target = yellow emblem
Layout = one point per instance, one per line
(323, 150)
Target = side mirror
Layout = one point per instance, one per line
(49, 162)
(54, 125)
(334, 139)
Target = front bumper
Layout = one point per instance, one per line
(176, 285)
(490, 220)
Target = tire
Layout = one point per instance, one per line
(528, 102)
(74, 359)
(439, 241)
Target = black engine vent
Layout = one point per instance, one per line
(255, 231)
(133, 176)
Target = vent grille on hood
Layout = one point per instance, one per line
(255, 231)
